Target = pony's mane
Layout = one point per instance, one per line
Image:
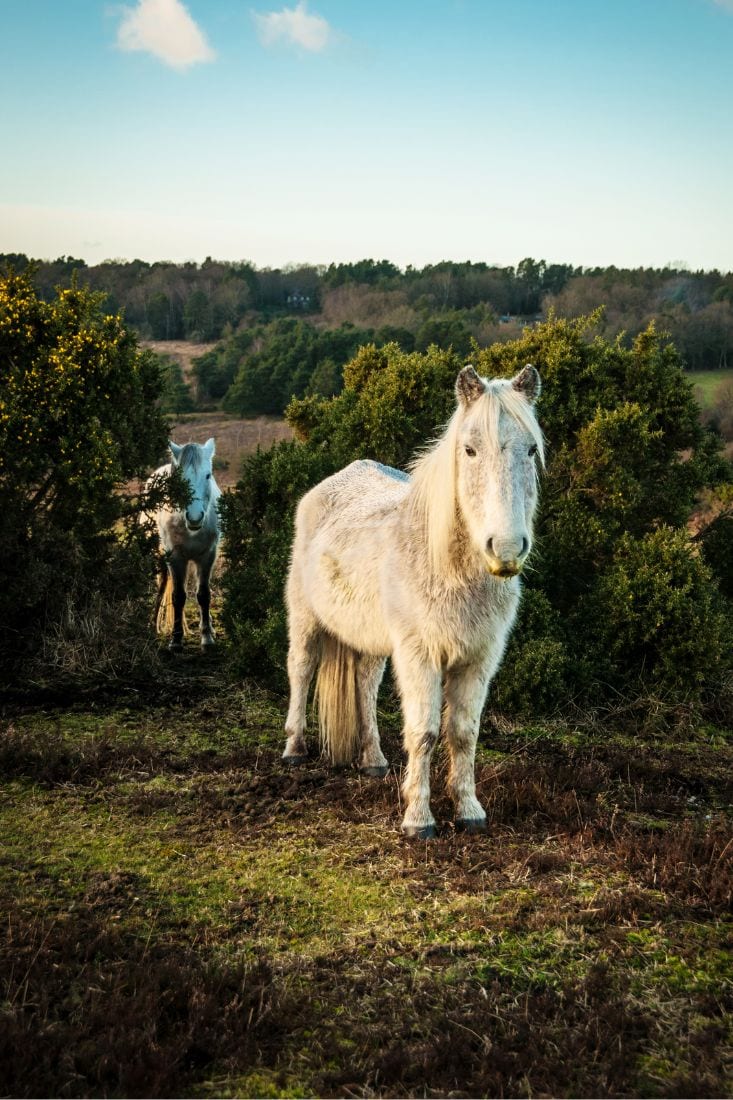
(433, 492)
(192, 455)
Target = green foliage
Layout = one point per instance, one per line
(445, 332)
(177, 397)
(392, 402)
(288, 358)
(618, 595)
(209, 301)
(79, 416)
(535, 678)
(656, 613)
(363, 271)
(627, 457)
(216, 370)
(258, 525)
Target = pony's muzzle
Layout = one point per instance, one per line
(505, 557)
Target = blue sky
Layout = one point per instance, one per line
(591, 132)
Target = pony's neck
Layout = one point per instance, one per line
(435, 516)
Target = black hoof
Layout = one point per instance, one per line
(175, 647)
(419, 832)
(470, 824)
(377, 771)
(294, 761)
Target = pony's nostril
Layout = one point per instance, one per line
(525, 547)
(490, 546)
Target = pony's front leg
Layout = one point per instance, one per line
(369, 673)
(177, 568)
(203, 595)
(465, 693)
(419, 685)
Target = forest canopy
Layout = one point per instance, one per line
(288, 332)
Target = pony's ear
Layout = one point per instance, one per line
(175, 451)
(469, 385)
(528, 383)
(210, 447)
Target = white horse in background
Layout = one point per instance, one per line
(188, 535)
(423, 569)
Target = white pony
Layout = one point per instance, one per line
(188, 535)
(423, 569)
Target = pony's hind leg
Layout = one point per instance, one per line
(369, 673)
(302, 658)
(465, 692)
(203, 595)
(419, 685)
(178, 569)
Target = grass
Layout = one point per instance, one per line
(183, 917)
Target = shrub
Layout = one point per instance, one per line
(618, 594)
(655, 615)
(534, 676)
(78, 419)
(392, 402)
(258, 525)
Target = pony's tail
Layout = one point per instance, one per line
(163, 613)
(336, 700)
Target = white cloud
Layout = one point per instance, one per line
(727, 4)
(295, 27)
(165, 29)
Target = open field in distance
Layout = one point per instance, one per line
(234, 438)
(707, 382)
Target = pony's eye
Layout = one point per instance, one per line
(533, 450)
(470, 452)
(209, 475)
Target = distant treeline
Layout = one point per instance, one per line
(288, 331)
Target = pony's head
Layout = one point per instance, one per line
(480, 479)
(194, 461)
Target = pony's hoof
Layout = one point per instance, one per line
(294, 761)
(419, 832)
(470, 824)
(375, 771)
(175, 647)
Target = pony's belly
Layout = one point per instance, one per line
(347, 602)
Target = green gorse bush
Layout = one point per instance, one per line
(620, 596)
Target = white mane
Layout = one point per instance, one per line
(433, 492)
